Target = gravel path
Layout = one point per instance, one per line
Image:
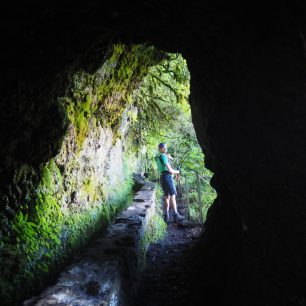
(166, 277)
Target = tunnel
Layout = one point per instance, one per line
(247, 96)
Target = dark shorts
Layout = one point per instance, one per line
(167, 184)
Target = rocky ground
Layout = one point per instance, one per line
(170, 265)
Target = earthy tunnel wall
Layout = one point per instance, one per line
(248, 102)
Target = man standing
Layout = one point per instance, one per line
(167, 183)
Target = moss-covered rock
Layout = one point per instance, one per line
(156, 230)
(82, 169)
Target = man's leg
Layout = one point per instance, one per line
(171, 191)
(177, 216)
(166, 207)
(166, 204)
(173, 202)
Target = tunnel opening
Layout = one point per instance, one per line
(104, 126)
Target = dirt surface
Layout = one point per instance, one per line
(169, 266)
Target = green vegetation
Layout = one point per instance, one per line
(155, 231)
(165, 116)
(207, 198)
(104, 95)
(43, 237)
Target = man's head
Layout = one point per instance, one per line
(162, 147)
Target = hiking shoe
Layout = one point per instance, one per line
(166, 217)
(178, 217)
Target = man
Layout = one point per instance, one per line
(167, 183)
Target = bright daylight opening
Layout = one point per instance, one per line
(165, 117)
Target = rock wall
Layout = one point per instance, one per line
(68, 165)
(101, 166)
(248, 104)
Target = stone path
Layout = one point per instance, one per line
(166, 279)
(104, 273)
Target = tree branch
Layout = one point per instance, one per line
(167, 85)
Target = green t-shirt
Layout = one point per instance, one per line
(161, 161)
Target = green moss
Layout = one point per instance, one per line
(131, 66)
(155, 231)
(82, 225)
(47, 238)
(91, 190)
(79, 111)
(35, 246)
(104, 95)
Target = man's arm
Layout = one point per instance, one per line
(171, 170)
(169, 157)
(164, 160)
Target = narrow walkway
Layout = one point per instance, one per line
(104, 273)
(166, 277)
